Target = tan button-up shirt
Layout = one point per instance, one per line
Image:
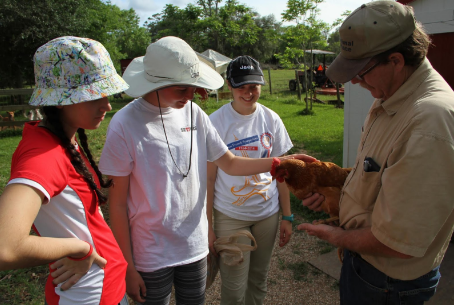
(409, 202)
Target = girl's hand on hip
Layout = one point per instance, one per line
(70, 271)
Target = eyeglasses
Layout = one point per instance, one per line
(361, 75)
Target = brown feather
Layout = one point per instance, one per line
(302, 178)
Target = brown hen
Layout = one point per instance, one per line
(302, 178)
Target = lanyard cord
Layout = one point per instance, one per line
(191, 145)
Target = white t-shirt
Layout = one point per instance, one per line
(167, 213)
(258, 135)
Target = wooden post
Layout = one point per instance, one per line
(338, 95)
(270, 82)
(305, 80)
(298, 85)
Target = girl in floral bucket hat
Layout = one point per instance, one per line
(55, 184)
(156, 152)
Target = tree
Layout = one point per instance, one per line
(268, 41)
(229, 29)
(183, 23)
(118, 30)
(309, 32)
(26, 25)
(333, 40)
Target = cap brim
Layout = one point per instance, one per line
(343, 70)
(238, 81)
(135, 77)
(69, 96)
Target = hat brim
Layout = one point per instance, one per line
(343, 70)
(135, 77)
(238, 81)
(68, 96)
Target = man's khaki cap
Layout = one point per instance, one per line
(371, 29)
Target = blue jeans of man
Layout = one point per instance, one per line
(361, 283)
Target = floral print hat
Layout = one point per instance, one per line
(71, 70)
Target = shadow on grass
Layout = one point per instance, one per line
(306, 213)
(11, 133)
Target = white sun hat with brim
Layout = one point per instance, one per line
(71, 70)
(169, 61)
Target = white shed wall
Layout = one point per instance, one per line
(357, 102)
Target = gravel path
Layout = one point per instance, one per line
(291, 280)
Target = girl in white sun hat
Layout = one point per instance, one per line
(156, 153)
(55, 184)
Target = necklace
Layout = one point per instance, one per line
(191, 145)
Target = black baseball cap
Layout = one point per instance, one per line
(244, 70)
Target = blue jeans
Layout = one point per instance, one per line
(361, 283)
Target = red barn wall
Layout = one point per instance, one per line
(124, 63)
(440, 55)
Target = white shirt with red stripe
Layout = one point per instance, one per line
(71, 211)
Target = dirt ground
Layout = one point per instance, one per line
(291, 280)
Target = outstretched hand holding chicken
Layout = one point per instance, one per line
(303, 178)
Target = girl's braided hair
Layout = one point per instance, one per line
(52, 114)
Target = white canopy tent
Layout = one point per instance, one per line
(217, 61)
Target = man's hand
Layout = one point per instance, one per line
(285, 232)
(325, 232)
(313, 201)
(301, 157)
(135, 286)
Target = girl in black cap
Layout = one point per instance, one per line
(248, 202)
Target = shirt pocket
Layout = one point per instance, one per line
(368, 189)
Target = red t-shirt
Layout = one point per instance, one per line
(71, 211)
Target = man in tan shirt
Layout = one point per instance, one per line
(396, 208)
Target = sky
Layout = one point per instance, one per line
(330, 9)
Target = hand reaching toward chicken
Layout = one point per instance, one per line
(303, 178)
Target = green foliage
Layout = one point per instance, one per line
(299, 270)
(309, 33)
(118, 30)
(31, 288)
(26, 25)
(307, 111)
(333, 39)
(232, 29)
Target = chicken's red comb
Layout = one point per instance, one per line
(275, 163)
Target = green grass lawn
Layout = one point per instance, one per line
(319, 134)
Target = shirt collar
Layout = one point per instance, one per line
(394, 103)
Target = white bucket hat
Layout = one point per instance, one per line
(167, 62)
(71, 70)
